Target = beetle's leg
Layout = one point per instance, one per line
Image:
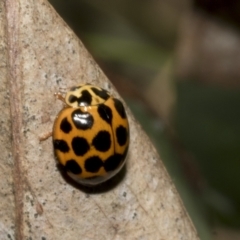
(45, 136)
(59, 96)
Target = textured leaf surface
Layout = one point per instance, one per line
(39, 56)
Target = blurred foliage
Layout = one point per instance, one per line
(225, 10)
(200, 143)
(207, 120)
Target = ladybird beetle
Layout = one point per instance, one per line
(91, 135)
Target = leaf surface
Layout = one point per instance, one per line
(40, 55)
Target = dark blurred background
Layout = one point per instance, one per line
(177, 65)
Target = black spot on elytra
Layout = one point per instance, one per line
(101, 93)
(119, 107)
(65, 126)
(122, 135)
(61, 145)
(105, 113)
(84, 100)
(82, 120)
(80, 146)
(102, 141)
(113, 162)
(93, 164)
(73, 167)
